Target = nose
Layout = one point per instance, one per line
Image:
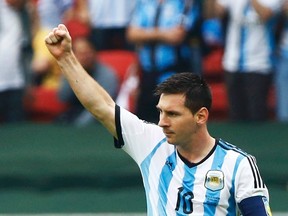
(163, 122)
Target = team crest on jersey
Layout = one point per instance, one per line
(214, 180)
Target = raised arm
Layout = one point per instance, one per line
(93, 97)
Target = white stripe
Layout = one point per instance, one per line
(173, 187)
(229, 161)
(154, 175)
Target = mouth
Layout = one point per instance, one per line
(167, 133)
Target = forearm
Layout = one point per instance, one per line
(139, 35)
(93, 97)
(209, 9)
(172, 36)
(263, 12)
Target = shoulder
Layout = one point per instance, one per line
(231, 147)
(235, 157)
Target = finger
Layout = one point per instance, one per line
(48, 39)
(51, 38)
(55, 39)
(62, 31)
(57, 35)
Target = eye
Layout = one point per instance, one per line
(172, 114)
(159, 110)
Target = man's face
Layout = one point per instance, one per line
(84, 53)
(17, 4)
(178, 123)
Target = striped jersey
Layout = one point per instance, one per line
(250, 42)
(214, 186)
(170, 14)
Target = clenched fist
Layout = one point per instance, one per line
(59, 42)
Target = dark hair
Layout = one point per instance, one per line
(195, 89)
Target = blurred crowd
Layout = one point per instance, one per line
(167, 36)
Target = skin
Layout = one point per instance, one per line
(285, 7)
(17, 4)
(173, 36)
(187, 131)
(85, 53)
(264, 13)
(93, 97)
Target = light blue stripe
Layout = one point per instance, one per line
(188, 187)
(164, 182)
(145, 174)
(231, 201)
(210, 208)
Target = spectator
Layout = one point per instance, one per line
(86, 54)
(195, 38)
(160, 30)
(14, 29)
(281, 78)
(49, 13)
(248, 56)
(109, 20)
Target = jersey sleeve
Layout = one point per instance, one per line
(135, 136)
(250, 189)
(257, 205)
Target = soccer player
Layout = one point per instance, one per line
(185, 171)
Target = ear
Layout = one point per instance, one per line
(202, 115)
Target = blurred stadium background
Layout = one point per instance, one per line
(59, 170)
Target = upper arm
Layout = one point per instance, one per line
(251, 193)
(105, 114)
(89, 92)
(257, 205)
(135, 136)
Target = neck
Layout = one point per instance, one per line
(197, 149)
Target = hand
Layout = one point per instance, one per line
(59, 42)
